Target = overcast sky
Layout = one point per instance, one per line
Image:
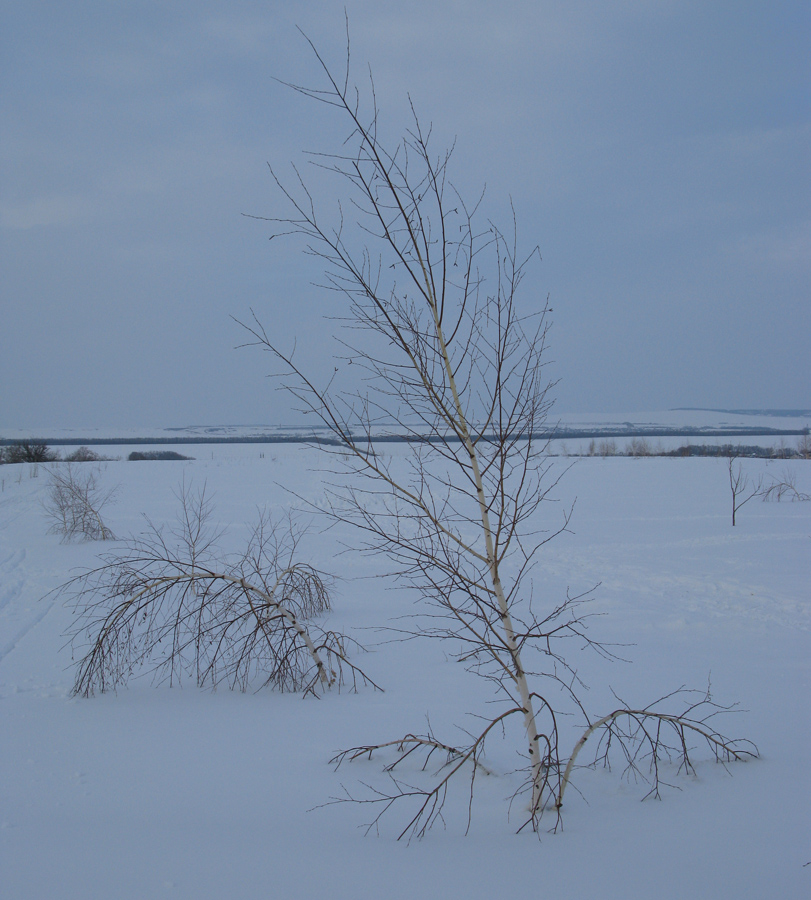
(657, 152)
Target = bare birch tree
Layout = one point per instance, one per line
(450, 363)
(740, 486)
(74, 503)
(174, 603)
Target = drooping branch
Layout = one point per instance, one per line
(430, 801)
(642, 738)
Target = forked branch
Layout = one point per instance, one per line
(430, 801)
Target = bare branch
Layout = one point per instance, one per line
(784, 485)
(637, 736)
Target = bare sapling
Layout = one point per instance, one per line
(743, 489)
(175, 604)
(74, 502)
(449, 361)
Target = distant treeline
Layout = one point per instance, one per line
(39, 452)
(642, 447)
(156, 454)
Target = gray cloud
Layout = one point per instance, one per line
(656, 152)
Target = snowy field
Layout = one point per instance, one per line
(178, 792)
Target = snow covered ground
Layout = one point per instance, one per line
(177, 792)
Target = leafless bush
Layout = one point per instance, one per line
(607, 447)
(84, 454)
(28, 452)
(804, 446)
(456, 366)
(782, 451)
(74, 502)
(174, 603)
(638, 447)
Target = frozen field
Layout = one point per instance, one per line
(178, 792)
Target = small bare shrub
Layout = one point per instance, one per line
(74, 503)
(638, 447)
(83, 454)
(175, 604)
(608, 447)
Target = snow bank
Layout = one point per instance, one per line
(183, 793)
